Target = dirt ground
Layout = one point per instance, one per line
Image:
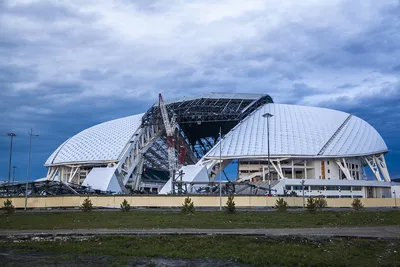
(12, 257)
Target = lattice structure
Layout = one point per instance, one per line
(47, 188)
(200, 118)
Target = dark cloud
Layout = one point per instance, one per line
(12, 74)
(96, 75)
(347, 85)
(374, 47)
(47, 11)
(396, 68)
(356, 48)
(59, 87)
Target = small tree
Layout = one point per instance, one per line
(86, 205)
(311, 205)
(125, 207)
(357, 204)
(188, 206)
(321, 203)
(8, 207)
(230, 205)
(281, 205)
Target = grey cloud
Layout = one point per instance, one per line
(12, 73)
(47, 11)
(396, 68)
(346, 86)
(56, 87)
(95, 75)
(356, 48)
(382, 108)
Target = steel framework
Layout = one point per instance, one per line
(46, 188)
(199, 119)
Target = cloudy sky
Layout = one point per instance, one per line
(66, 65)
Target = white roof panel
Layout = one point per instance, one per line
(299, 131)
(356, 138)
(102, 142)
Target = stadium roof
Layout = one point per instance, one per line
(300, 131)
(101, 143)
(294, 131)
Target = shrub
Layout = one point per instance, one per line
(311, 204)
(230, 205)
(8, 207)
(357, 204)
(321, 203)
(188, 206)
(281, 204)
(125, 207)
(86, 205)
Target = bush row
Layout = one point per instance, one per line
(313, 204)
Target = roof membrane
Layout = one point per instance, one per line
(100, 143)
(299, 131)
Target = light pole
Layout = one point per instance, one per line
(31, 134)
(11, 135)
(14, 167)
(394, 194)
(302, 187)
(268, 115)
(220, 169)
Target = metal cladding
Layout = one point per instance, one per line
(101, 143)
(300, 131)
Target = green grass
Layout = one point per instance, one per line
(73, 220)
(255, 251)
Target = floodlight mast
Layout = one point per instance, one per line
(170, 126)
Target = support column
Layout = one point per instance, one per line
(372, 163)
(293, 169)
(263, 173)
(380, 160)
(305, 169)
(343, 168)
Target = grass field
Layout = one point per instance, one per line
(254, 251)
(73, 220)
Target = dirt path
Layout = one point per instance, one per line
(385, 232)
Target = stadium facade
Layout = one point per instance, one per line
(311, 151)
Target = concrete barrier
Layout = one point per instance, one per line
(176, 201)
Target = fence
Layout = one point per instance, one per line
(176, 201)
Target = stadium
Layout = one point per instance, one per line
(245, 143)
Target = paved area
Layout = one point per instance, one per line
(386, 232)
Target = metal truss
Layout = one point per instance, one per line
(230, 188)
(343, 167)
(199, 119)
(46, 188)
